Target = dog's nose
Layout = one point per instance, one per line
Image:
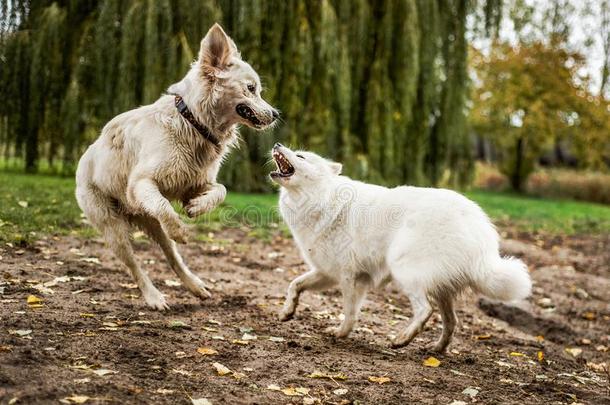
(277, 145)
(276, 114)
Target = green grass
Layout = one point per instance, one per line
(34, 205)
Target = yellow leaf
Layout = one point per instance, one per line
(207, 351)
(240, 342)
(319, 374)
(273, 387)
(85, 315)
(23, 204)
(540, 338)
(574, 351)
(36, 306)
(77, 399)
(432, 362)
(221, 369)
(517, 354)
(379, 380)
(32, 299)
(540, 356)
(589, 316)
(298, 391)
(482, 337)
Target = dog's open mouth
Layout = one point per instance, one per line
(285, 169)
(248, 114)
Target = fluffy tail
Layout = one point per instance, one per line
(507, 279)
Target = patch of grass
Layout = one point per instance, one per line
(537, 214)
(33, 205)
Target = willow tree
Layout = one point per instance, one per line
(379, 85)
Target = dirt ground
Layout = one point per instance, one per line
(91, 339)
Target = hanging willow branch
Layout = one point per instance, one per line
(380, 85)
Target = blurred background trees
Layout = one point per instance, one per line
(387, 87)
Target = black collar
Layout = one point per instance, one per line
(188, 115)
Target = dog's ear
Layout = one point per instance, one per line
(216, 50)
(336, 167)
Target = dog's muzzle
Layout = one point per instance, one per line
(248, 114)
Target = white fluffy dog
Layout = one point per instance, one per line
(170, 150)
(433, 242)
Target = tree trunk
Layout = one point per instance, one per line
(516, 180)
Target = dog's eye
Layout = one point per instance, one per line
(251, 88)
(300, 156)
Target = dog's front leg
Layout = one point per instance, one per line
(353, 290)
(210, 198)
(144, 193)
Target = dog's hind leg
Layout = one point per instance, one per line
(153, 228)
(105, 215)
(445, 304)
(421, 313)
(312, 280)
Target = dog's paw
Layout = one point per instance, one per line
(178, 232)
(155, 300)
(206, 202)
(399, 341)
(438, 347)
(198, 289)
(337, 332)
(285, 315)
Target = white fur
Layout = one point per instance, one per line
(147, 157)
(433, 243)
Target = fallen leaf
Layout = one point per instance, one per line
(599, 367)
(247, 336)
(298, 391)
(591, 316)
(276, 339)
(540, 356)
(20, 332)
(518, 354)
(240, 342)
(82, 380)
(6, 348)
(273, 387)
(207, 351)
(221, 369)
(104, 371)
(172, 283)
(379, 380)
(85, 315)
(178, 325)
(180, 371)
(77, 399)
(200, 401)
(319, 374)
(432, 362)
(91, 260)
(482, 337)
(23, 204)
(340, 391)
(32, 299)
(574, 351)
(471, 392)
(164, 391)
(129, 286)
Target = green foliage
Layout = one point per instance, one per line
(531, 96)
(380, 85)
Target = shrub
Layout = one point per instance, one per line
(586, 186)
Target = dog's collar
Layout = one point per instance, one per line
(188, 115)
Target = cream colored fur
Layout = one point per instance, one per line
(149, 156)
